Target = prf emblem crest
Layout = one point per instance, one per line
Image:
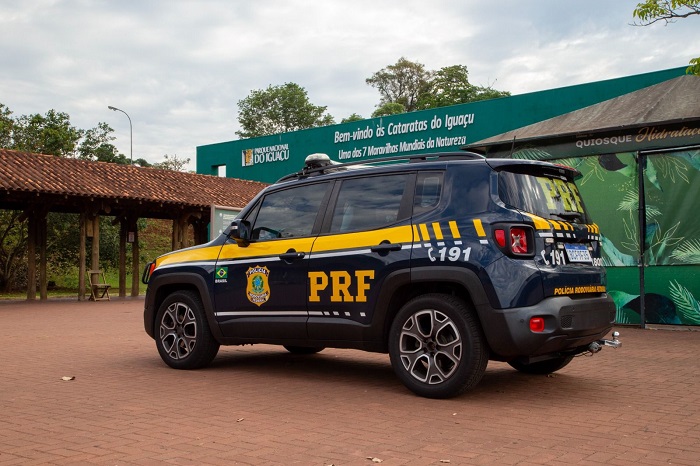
(258, 289)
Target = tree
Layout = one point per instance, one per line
(411, 86)
(389, 108)
(97, 144)
(668, 11)
(6, 126)
(50, 134)
(402, 82)
(172, 163)
(450, 86)
(279, 109)
(351, 118)
(13, 247)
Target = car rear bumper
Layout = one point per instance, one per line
(569, 325)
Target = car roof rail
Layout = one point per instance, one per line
(316, 164)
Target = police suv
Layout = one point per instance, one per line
(443, 261)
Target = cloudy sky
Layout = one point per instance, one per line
(179, 68)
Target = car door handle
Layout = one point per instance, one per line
(291, 256)
(385, 247)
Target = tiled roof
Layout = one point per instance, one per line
(26, 176)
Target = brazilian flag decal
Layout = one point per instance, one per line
(221, 274)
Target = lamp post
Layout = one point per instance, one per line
(131, 130)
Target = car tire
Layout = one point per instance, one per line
(436, 346)
(541, 367)
(304, 349)
(183, 336)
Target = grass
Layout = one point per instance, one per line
(66, 286)
(155, 240)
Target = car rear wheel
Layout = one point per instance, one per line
(183, 337)
(542, 367)
(436, 346)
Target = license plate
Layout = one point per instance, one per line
(578, 253)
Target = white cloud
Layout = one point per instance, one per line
(180, 67)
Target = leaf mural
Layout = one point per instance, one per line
(670, 167)
(594, 169)
(688, 252)
(613, 257)
(687, 307)
(661, 240)
(531, 153)
(624, 315)
(612, 163)
(692, 157)
(650, 173)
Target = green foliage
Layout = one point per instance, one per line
(403, 82)
(450, 86)
(652, 11)
(668, 11)
(389, 108)
(351, 118)
(97, 144)
(172, 163)
(50, 134)
(687, 307)
(6, 126)
(415, 88)
(13, 246)
(279, 109)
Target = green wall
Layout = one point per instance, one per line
(436, 130)
(670, 239)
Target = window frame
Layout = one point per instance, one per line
(254, 212)
(404, 212)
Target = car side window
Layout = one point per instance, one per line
(368, 203)
(428, 191)
(288, 213)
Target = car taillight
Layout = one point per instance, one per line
(500, 236)
(515, 240)
(518, 241)
(537, 324)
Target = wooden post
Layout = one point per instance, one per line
(81, 257)
(31, 254)
(135, 269)
(95, 257)
(42, 233)
(123, 231)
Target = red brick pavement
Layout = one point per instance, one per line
(260, 405)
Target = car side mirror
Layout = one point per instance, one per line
(239, 231)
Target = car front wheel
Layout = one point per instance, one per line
(183, 337)
(436, 346)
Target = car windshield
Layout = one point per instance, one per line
(544, 196)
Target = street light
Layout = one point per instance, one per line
(131, 130)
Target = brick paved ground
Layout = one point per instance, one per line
(260, 405)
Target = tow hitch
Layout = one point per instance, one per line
(598, 345)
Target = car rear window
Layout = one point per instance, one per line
(545, 196)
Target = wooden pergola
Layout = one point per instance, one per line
(37, 184)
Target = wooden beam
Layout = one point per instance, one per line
(122, 256)
(31, 254)
(41, 236)
(82, 255)
(135, 266)
(95, 256)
